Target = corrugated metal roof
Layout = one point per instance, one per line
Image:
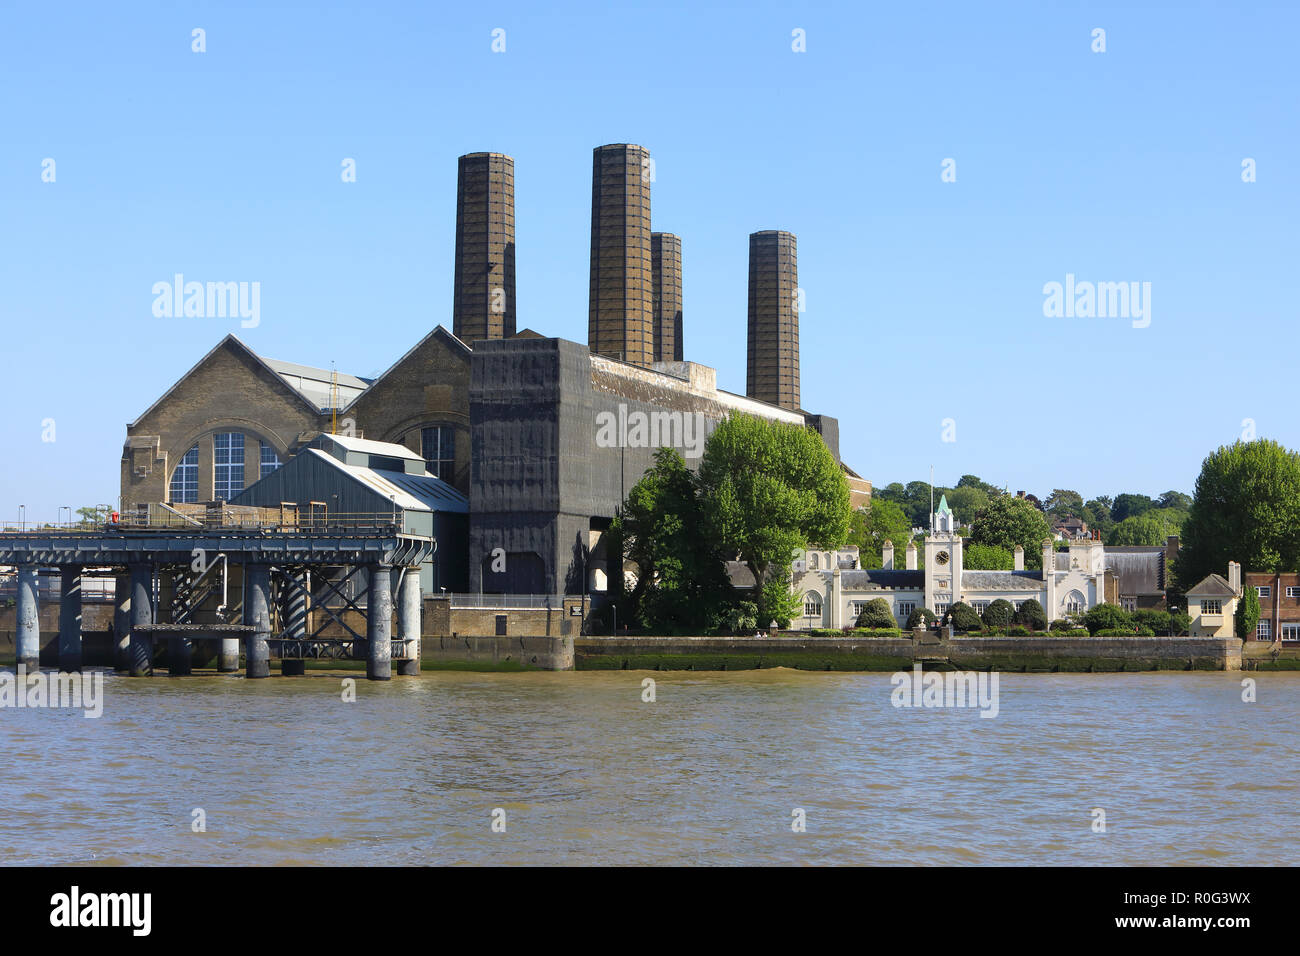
(365, 446)
(314, 384)
(410, 492)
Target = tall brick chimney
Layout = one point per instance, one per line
(620, 313)
(484, 302)
(772, 368)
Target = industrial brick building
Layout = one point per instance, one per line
(508, 419)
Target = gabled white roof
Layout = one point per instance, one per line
(366, 446)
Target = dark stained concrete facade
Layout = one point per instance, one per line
(620, 317)
(772, 370)
(666, 269)
(484, 300)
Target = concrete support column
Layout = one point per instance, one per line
(121, 621)
(295, 622)
(410, 600)
(257, 612)
(27, 636)
(70, 620)
(180, 651)
(140, 650)
(379, 624)
(228, 656)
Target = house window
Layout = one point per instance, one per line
(1211, 607)
(1264, 630)
(812, 604)
(228, 464)
(1292, 591)
(1290, 632)
(980, 606)
(940, 609)
(270, 460)
(1016, 604)
(1264, 590)
(1074, 603)
(438, 446)
(185, 479)
(905, 609)
(813, 561)
(1129, 604)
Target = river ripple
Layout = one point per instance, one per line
(288, 773)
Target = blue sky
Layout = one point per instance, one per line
(924, 298)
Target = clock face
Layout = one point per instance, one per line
(941, 557)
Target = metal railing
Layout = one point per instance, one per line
(509, 601)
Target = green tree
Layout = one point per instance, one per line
(876, 613)
(1154, 618)
(1129, 505)
(870, 527)
(1149, 528)
(1006, 522)
(1180, 622)
(1175, 500)
(1030, 614)
(965, 502)
(1247, 617)
(681, 577)
(1063, 503)
(1246, 508)
(987, 557)
(1098, 514)
(999, 614)
(769, 488)
(973, 481)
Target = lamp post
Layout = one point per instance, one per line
(22, 517)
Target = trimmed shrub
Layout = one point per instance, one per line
(920, 617)
(1180, 622)
(1125, 632)
(1107, 617)
(1030, 614)
(999, 614)
(1153, 618)
(876, 632)
(1018, 631)
(963, 618)
(1060, 626)
(876, 613)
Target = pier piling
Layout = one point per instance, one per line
(27, 636)
(379, 624)
(257, 611)
(408, 621)
(70, 619)
(140, 651)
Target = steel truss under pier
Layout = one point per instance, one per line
(287, 581)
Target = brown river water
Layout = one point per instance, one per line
(286, 772)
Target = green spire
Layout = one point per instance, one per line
(943, 505)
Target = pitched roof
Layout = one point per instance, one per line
(943, 505)
(1213, 585)
(319, 385)
(881, 578)
(439, 331)
(303, 380)
(1001, 580)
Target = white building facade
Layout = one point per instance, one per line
(835, 588)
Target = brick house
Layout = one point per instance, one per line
(1279, 605)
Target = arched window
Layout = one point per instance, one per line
(227, 464)
(270, 460)
(813, 561)
(1074, 603)
(438, 448)
(812, 604)
(185, 478)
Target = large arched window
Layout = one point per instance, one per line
(227, 465)
(438, 448)
(185, 478)
(812, 604)
(270, 460)
(1074, 603)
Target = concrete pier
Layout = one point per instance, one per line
(257, 612)
(140, 651)
(70, 619)
(180, 651)
(228, 656)
(410, 601)
(27, 636)
(294, 612)
(379, 624)
(122, 621)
